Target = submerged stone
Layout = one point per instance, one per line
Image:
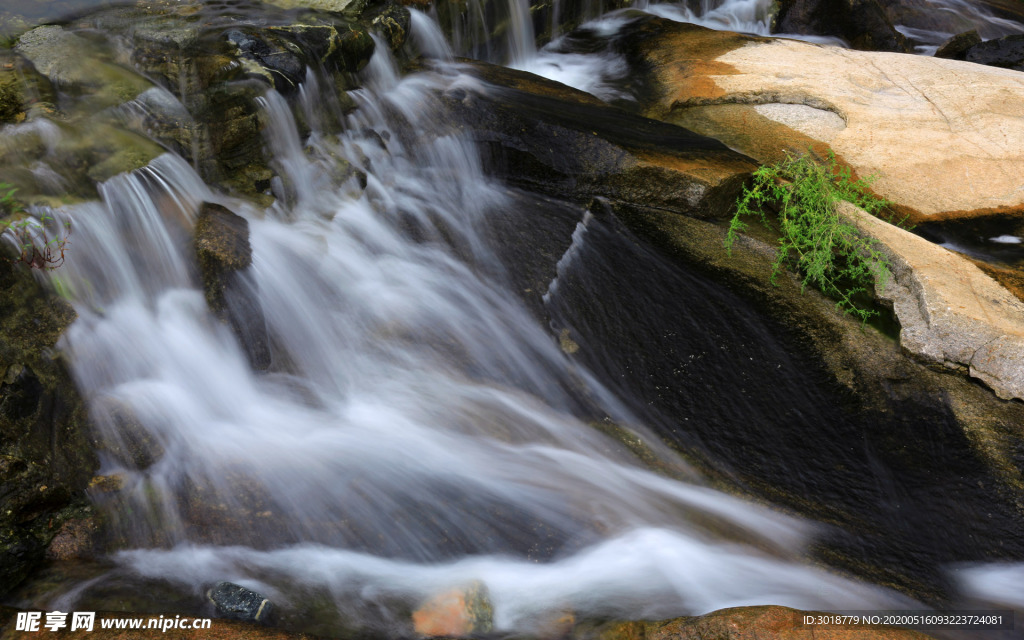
(235, 601)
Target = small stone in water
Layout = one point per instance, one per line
(235, 601)
(458, 613)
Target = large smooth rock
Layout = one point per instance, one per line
(937, 149)
(544, 136)
(950, 312)
(862, 23)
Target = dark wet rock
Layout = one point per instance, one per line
(224, 253)
(690, 320)
(923, 15)
(742, 623)
(75, 65)
(392, 22)
(956, 47)
(237, 602)
(862, 23)
(45, 457)
(124, 438)
(222, 246)
(1007, 53)
(544, 136)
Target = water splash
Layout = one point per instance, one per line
(417, 426)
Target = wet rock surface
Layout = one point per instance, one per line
(712, 81)
(543, 136)
(459, 613)
(45, 457)
(224, 253)
(1007, 53)
(745, 623)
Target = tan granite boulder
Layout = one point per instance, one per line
(945, 138)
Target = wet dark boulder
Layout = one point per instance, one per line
(237, 602)
(224, 253)
(12, 97)
(1007, 53)
(956, 47)
(862, 23)
(545, 137)
(45, 456)
(744, 623)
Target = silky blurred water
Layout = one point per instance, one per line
(418, 427)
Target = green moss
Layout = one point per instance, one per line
(11, 100)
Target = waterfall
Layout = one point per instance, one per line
(417, 427)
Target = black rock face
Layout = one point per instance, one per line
(235, 601)
(956, 47)
(862, 23)
(1007, 53)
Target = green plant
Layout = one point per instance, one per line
(826, 251)
(36, 248)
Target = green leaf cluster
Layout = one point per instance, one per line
(815, 241)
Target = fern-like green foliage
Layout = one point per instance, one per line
(827, 252)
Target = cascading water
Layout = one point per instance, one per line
(417, 428)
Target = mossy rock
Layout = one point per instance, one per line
(45, 457)
(12, 99)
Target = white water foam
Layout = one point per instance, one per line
(418, 426)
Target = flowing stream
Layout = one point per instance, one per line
(419, 427)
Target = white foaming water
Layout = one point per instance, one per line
(418, 426)
(603, 73)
